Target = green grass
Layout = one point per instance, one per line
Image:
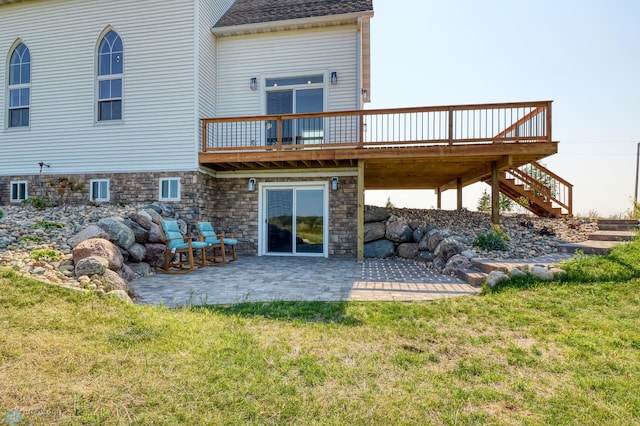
(529, 353)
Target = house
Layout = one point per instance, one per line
(249, 113)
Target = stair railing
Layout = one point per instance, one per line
(545, 184)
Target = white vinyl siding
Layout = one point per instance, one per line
(158, 132)
(19, 191)
(209, 13)
(283, 54)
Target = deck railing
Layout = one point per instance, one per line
(521, 122)
(546, 184)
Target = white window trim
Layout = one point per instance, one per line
(99, 78)
(11, 87)
(95, 199)
(169, 180)
(26, 190)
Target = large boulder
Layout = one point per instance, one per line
(155, 216)
(495, 277)
(92, 231)
(127, 274)
(399, 232)
(434, 238)
(408, 250)
(541, 272)
(140, 270)
(118, 231)
(140, 234)
(374, 231)
(155, 254)
(380, 249)
(155, 234)
(99, 247)
(165, 210)
(92, 265)
(425, 256)
(376, 214)
(113, 281)
(448, 248)
(455, 263)
(142, 218)
(137, 252)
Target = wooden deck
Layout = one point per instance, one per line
(440, 148)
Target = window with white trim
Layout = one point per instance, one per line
(19, 86)
(169, 189)
(19, 191)
(109, 78)
(99, 190)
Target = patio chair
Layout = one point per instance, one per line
(179, 254)
(208, 233)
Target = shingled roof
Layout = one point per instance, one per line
(244, 12)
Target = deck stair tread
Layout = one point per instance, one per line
(589, 247)
(606, 235)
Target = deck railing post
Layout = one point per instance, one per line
(279, 136)
(450, 126)
(361, 135)
(203, 123)
(549, 127)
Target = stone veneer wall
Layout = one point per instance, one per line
(235, 210)
(225, 202)
(129, 188)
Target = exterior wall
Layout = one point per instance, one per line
(235, 209)
(282, 54)
(129, 188)
(209, 12)
(159, 127)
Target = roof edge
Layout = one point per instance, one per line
(289, 24)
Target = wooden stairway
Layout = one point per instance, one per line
(537, 189)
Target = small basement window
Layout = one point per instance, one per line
(169, 189)
(19, 191)
(99, 190)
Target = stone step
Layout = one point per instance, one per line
(473, 277)
(618, 224)
(589, 247)
(612, 235)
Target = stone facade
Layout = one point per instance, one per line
(227, 203)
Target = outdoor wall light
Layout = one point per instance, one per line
(253, 83)
(334, 77)
(252, 185)
(365, 94)
(334, 183)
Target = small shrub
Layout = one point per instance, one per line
(45, 254)
(38, 203)
(491, 240)
(31, 239)
(45, 224)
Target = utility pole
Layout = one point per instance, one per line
(635, 194)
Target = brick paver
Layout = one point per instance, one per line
(270, 278)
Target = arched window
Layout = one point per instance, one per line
(19, 86)
(110, 66)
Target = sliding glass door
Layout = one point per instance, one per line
(295, 221)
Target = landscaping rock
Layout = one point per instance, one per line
(119, 233)
(155, 216)
(515, 272)
(140, 234)
(408, 250)
(376, 214)
(495, 277)
(155, 254)
(425, 256)
(92, 265)
(92, 231)
(374, 231)
(137, 252)
(541, 273)
(141, 269)
(155, 234)
(399, 232)
(122, 295)
(456, 263)
(381, 249)
(100, 248)
(448, 248)
(113, 281)
(127, 274)
(141, 218)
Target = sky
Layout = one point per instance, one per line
(583, 55)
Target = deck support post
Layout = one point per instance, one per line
(439, 196)
(495, 194)
(459, 188)
(360, 186)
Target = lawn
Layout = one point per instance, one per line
(528, 353)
